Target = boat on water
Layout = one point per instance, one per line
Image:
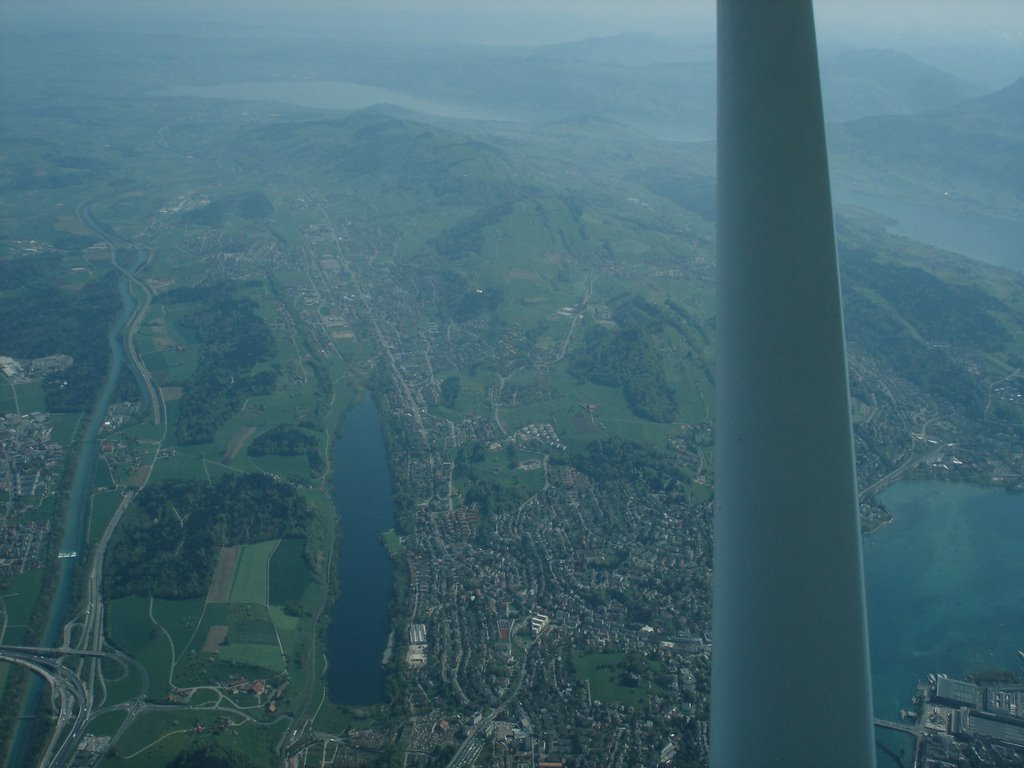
(65, 555)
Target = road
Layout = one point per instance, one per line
(84, 214)
(910, 462)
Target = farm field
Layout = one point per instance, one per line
(251, 577)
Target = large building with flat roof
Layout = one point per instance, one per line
(979, 724)
(958, 692)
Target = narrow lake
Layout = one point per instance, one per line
(360, 618)
(945, 586)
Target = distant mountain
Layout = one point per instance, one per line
(970, 156)
(884, 82)
(1000, 111)
(631, 49)
(665, 85)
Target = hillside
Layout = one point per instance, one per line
(860, 83)
(972, 153)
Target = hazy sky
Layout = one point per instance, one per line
(981, 41)
(545, 21)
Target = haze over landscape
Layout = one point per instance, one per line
(358, 390)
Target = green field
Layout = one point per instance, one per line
(156, 738)
(181, 466)
(255, 654)
(289, 576)
(213, 614)
(616, 678)
(7, 391)
(286, 466)
(249, 584)
(19, 596)
(107, 724)
(179, 618)
(102, 477)
(122, 685)
(64, 426)
(244, 622)
(132, 630)
(392, 543)
(103, 507)
(5, 670)
(31, 397)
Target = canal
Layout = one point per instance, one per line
(77, 512)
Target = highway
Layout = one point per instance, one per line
(68, 689)
(112, 241)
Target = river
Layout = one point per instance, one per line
(945, 585)
(78, 511)
(360, 618)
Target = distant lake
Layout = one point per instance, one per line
(994, 241)
(945, 586)
(331, 94)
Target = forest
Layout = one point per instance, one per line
(286, 440)
(169, 546)
(38, 319)
(629, 358)
(234, 339)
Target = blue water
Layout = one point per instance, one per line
(992, 240)
(360, 618)
(891, 745)
(945, 586)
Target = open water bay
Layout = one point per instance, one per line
(358, 632)
(945, 591)
(945, 586)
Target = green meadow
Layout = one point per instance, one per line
(618, 678)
